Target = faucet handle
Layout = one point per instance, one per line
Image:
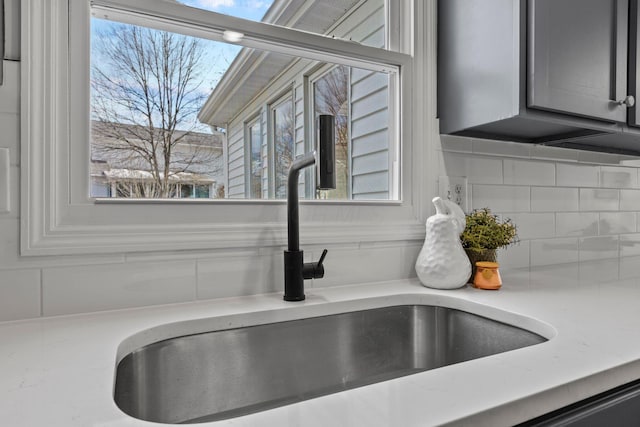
(324, 254)
(314, 270)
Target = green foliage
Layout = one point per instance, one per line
(484, 230)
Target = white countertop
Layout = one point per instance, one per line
(59, 371)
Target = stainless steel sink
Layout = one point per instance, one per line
(227, 373)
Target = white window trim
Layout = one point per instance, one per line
(56, 217)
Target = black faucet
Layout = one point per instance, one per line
(295, 269)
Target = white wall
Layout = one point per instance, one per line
(569, 205)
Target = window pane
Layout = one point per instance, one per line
(363, 22)
(147, 88)
(202, 192)
(255, 167)
(100, 188)
(283, 139)
(331, 96)
(172, 113)
(186, 191)
(247, 9)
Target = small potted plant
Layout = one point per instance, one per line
(484, 234)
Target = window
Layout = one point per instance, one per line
(148, 102)
(331, 96)
(61, 216)
(146, 91)
(283, 143)
(254, 167)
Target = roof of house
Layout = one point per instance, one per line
(111, 157)
(104, 132)
(142, 175)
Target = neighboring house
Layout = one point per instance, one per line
(265, 100)
(119, 171)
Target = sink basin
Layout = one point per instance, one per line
(227, 373)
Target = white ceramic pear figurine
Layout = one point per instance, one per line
(442, 263)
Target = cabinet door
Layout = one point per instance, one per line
(619, 407)
(634, 60)
(578, 57)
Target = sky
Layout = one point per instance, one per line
(218, 56)
(248, 9)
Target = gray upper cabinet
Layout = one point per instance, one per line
(634, 60)
(559, 72)
(578, 57)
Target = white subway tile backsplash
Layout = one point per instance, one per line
(554, 199)
(5, 179)
(594, 199)
(534, 225)
(554, 251)
(553, 153)
(629, 267)
(370, 264)
(456, 143)
(630, 245)
(14, 194)
(576, 224)
(19, 294)
(618, 177)
(629, 200)
(10, 91)
(596, 157)
(478, 170)
(68, 290)
(524, 172)
(10, 125)
(600, 247)
(501, 198)
(501, 148)
(515, 256)
(599, 270)
(246, 274)
(574, 175)
(617, 223)
(10, 244)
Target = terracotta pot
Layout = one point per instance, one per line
(486, 255)
(487, 276)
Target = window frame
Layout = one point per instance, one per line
(59, 218)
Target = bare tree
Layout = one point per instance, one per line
(331, 96)
(145, 98)
(284, 145)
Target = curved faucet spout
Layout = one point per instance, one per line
(293, 221)
(295, 269)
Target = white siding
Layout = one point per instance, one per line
(370, 137)
(236, 162)
(369, 127)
